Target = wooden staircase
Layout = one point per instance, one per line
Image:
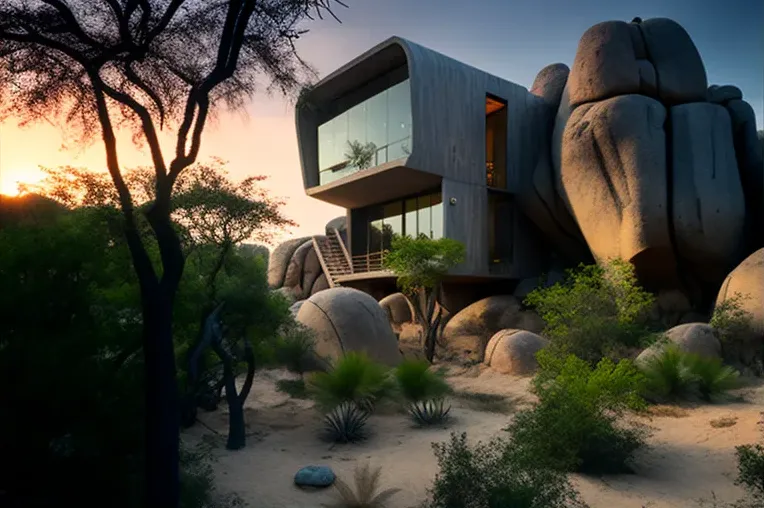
(333, 256)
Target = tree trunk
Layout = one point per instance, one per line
(237, 437)
(162, 404)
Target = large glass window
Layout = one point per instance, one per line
(413, 216)
(383, 120)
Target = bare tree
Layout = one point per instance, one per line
(147, 65)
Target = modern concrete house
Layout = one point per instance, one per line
(445, 146)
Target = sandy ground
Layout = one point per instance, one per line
(688, 459)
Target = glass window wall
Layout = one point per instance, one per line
(383, 121)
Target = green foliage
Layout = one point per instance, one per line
(711, 376)
(577, 424)
(355, 378)
(596, 312)
(424, 390)
(667, 373)
(421, 263)
(295, 388)
(672, 373)
(750, 459)
(730, 320)
(492, 476)
(345, 423)
(417, 381)
(197, 481)
(360, 155)
(294, 348)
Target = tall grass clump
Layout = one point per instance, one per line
(491, 475)
(424, 391)
(347, 394)
(674, 374)
(596, 312)
(578, 423)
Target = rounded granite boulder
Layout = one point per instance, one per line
(514, 352)
(398, 309)
(468, 332)
(346, 319)
(695, 338)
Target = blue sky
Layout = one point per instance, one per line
(514, 39)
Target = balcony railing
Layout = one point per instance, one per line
(370, 262)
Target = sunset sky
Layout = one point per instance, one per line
(512, 39)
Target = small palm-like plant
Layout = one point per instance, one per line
(710, 375)
(667, 373)
(346, 423)
(365, 494)
(354, 379)
(424, 391)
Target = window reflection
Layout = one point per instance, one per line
(384, 120)
(414, 216)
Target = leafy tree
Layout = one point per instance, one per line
(421, 265)
(148, 65)
(596, 312)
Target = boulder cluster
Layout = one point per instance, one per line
(645, 161)
(639, 159)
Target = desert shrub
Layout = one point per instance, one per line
(294, 347)
(577, 424)
(734, 327)
(491, 475)
(750, 464)
(197, 481)
(672, 374)
(424, 391)
(596, 312)
(710, 376)
(365, 494)
(667, 373)
(354, 378)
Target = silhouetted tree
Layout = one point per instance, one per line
(97, 65)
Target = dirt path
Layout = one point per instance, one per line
(688, 457)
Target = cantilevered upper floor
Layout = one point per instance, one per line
(417, 117)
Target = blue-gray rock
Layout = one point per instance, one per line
(314, 476)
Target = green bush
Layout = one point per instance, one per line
(734, 327)
(354, 378)
(667, 373)
(750, 463)
(424, 391)
(293, 349)
(491, 476)
(710, 376)
(595, 312)
(578, 424)
(672, 374)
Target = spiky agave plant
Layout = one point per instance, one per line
(346, 423)
(710, 375)
(424, 391)
(365, 494)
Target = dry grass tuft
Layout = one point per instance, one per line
(365, 494)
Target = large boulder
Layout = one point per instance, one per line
(747, 280)
(279, 260)
(468, 332)
(550, 82)
(320, 284)
(613, 173)
(695, 338)
(708, 202)
(514, 351)
(311, 270)
(346, 319)
(398, 309)
(293, 276)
